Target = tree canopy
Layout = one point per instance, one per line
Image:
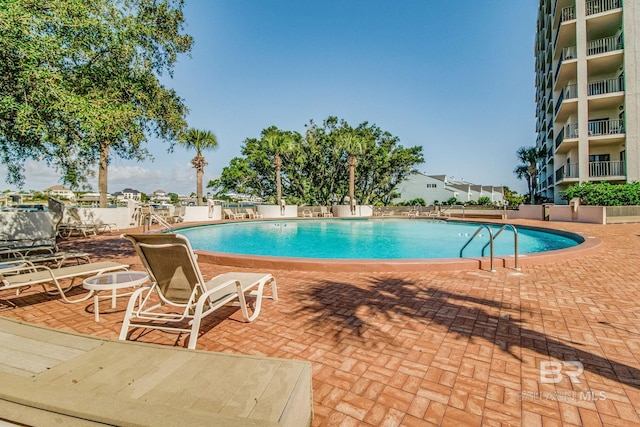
(81, 77)
(314, 167)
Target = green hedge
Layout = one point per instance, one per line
(604, 194)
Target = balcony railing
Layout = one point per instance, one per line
(606, 127)
(559, 138)
(567, 53)
(570, 170)
(606, 86)
(568, 13)
(569, 92)
(597, 6)
(600, 169)
(572, 130)
(559, 102)
(570, 52)
(607, 44)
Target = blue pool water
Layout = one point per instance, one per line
(366, 239)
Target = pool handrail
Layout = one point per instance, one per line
(515, 242)
(490, 242)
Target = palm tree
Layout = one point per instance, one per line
(528, 167)
(279, 143)
(353, 145)
(199, 140)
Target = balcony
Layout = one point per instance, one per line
(604, 45)
(564, 108)
(606, 86)
(568, 171)
(566, 29)
(566, 68)
(598, 6)
(607, 169)
(606, 127)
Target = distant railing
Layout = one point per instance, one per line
(607, 44)
(606, 127)
(568, 13)
(570, 170)
(601, 87)
(597, 6)
(559, 102)
(615, 168)
(570, 52)
(559, 138)
(572, 130)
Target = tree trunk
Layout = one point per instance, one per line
(199, 173)
(278, 164)
(199, 163)
(351, 162)
(103, 168)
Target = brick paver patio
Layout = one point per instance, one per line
(432, 348)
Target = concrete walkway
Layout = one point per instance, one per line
(461, 348)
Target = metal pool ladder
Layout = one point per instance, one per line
(492, 238)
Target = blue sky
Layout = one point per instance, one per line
(454, 77)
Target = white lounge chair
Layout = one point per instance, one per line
(181, 293)
(324, 212)
(252, 214)
(29, 275)
(228, 213)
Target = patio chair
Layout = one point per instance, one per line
(48, 257)
(306, 213)
(75, 223)
(324, 212)
(228, 213)
(183, 296)
(252, 214)
(28, 275)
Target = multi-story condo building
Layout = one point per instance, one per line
(587, 93)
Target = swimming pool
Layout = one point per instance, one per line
(375, 239)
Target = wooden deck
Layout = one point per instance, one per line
(51, 377)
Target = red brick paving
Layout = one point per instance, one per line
(458, 348)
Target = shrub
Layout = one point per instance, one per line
(484, 201)
(604, 194)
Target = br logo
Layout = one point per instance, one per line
(552, 372)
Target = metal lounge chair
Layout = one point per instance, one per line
(28, 275)
(75, 223)
(181, 293)
(50, 258)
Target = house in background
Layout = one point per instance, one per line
(439, 188)
(61, 192)
(159, 196)
(127, 194)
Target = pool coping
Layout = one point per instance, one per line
(590, 244)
